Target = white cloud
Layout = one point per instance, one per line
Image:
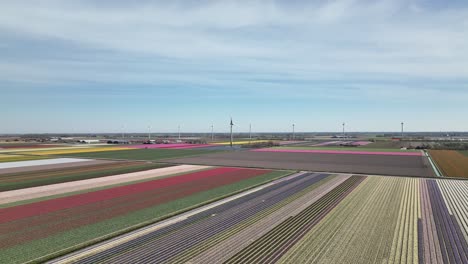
(324, 39)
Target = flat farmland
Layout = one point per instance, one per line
(45, 175)
(452, 163)
(53, 191)
(310, 218)
(143, 154)
(345, 163)
(55, 226)
(15, 157)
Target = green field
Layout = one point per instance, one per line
(143, 154)
(13, 158)
(464, 152)
(349, 149)
(69, 241)
(8, 181)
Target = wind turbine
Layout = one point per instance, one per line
(402, 126)
(344, 135)
(212, 134)
(149, 133)
(293, 134)
(231, 124)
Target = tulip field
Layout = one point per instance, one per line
(313, 218)
(46, 176)
(12, 158)
(55, 226)
(155, 154)
(207, 203)
(76, 150)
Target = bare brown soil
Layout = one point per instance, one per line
(452, 163)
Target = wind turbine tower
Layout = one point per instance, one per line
(294, 131)
(212, 132)
(344, 135)
(402, 128)
(231, 124)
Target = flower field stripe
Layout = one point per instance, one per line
(222, 251)
(30, 179)
(283, 150)
(251, 225)
(430, 242)
(82, 216)
(74, 150)
(457, 199)
(169, 146)
(205, 224)
(113, 204)
(300, 235)
(358, 230)
(90, 184)
(230, 219)
(103, 206)
(240, 142)
(277, 255)
(16, 157)
(21, 146)
(309, 218)
(16, 164)
(285, 234)
(451, 239)
(10, 214)
(353, 236)
(405, 243)
(28, 151)
(456, 210)
(63, 243)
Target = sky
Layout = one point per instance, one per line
(108, 66)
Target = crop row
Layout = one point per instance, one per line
(15, 157)
(317, 218)
(451, 234)
(58, 219)
(144, 154)
(271, 246)
(14, 181)
(224, 250)
(209, 228)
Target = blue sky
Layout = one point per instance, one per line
(96, 66)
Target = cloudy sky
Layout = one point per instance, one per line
(98, 66)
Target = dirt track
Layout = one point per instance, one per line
(364, 164)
